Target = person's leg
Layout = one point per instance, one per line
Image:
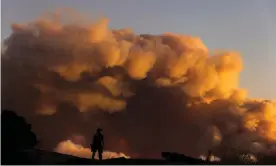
(100, 153)
(93, 154)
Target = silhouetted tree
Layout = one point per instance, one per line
(16, 133)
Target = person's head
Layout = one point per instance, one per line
(99, 130)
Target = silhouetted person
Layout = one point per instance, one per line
(209, 155)
(97, 144)
(16, 135)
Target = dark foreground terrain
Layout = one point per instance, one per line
(48, 158)
(39, 157)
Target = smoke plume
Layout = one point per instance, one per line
(68, 147)
(149, 93)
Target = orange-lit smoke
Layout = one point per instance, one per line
(68, 147)
(157, 92)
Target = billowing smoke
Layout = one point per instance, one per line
(68, 147)
(149, 93)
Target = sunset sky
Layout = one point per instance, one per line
(248, 26)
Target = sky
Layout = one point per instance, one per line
(247, 26)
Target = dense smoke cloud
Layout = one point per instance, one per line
(150, 93)
(68, 147)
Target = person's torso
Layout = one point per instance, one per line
(98, 139)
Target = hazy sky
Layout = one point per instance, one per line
(248, 26)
